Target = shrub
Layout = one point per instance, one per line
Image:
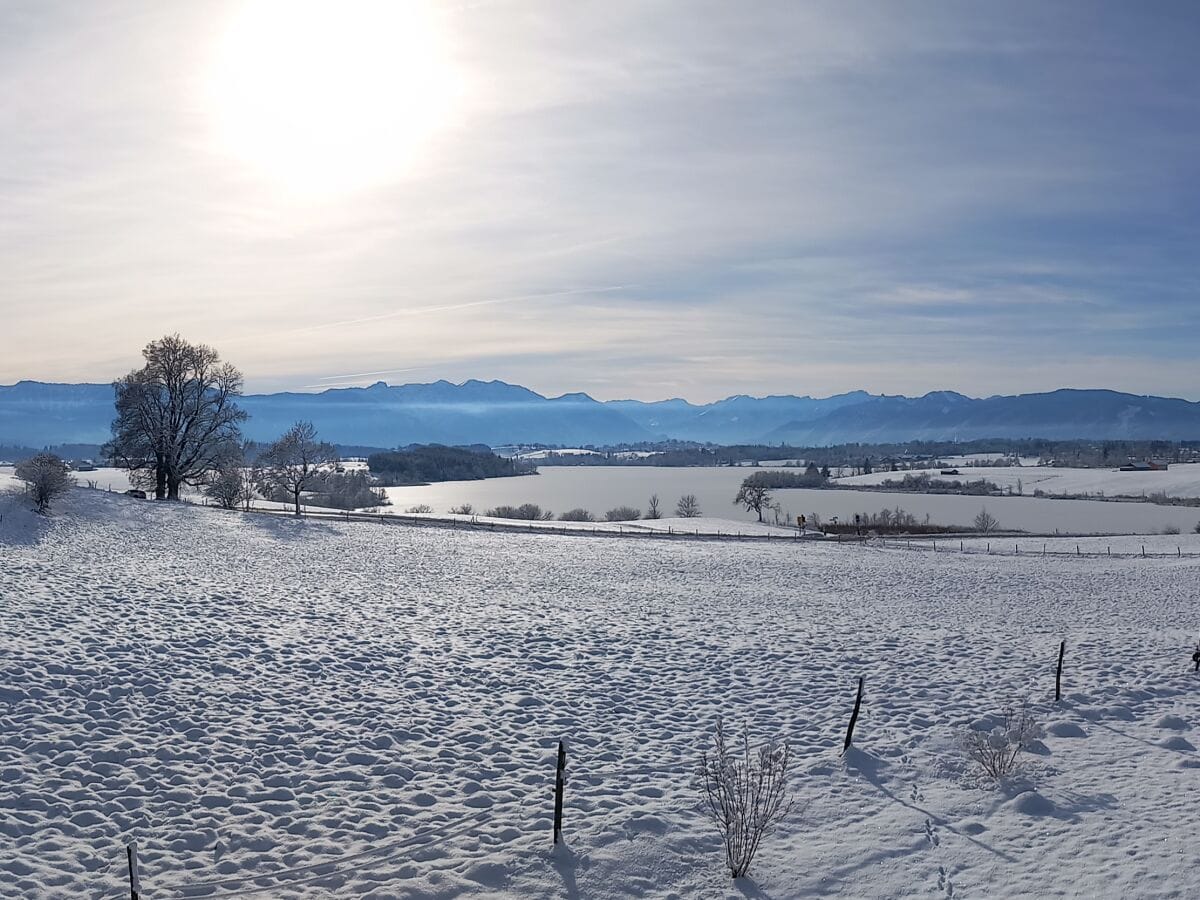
(526, 511)
(998, 752)
(746, 794)
(420, 509)
(1196, 530)
(1171, 529)
(466, 509)
(622, 514)
(577, 515)
(46, 477)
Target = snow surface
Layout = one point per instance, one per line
(281, 708)
(1181, 480)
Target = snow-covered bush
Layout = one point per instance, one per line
(622, 514)
(46, 477)
(998, 751)
(746, 794)
(420, 509)
(578, 514)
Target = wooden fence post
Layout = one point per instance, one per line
(1062, 649)
(1143, 551)
(853, 716)
(559, 769)
(135, 885)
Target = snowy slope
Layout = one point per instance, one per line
(274, 708)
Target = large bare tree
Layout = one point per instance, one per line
(176, 416)
(294, 462)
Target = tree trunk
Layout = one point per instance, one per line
(297, 496)
(172, 488)
(160, 479)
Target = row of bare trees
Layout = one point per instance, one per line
(178, 423)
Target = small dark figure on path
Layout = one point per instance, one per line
(1196, 657)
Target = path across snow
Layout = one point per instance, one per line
(278, 708)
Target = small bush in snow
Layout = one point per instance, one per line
(998, 752)
(1171, 529)
(46, 476)
(465, 510)
(577, 515)
(420, 509)
(622, 514)
(745, 794)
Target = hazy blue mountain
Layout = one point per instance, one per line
(490, 412)
(944, 415)
(493, 412)
(36, 414)
(735, 420)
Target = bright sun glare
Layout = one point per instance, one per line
(331, 96)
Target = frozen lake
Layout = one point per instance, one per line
(600, 488)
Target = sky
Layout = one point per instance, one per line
(633, 198)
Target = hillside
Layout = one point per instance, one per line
(356, 710)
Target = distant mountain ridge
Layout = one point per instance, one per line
(495, 412)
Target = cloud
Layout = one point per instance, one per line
(806, 197)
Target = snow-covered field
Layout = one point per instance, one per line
(1178, 481)
(278, 708)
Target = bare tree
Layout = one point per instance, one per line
(291, 464)
(579, 514)
(985, 522)
(688, 507)
(746, 794)
(46, 477)
(622, 514)
(176, 416)
(652, 508)
(754, 496)
(231, 484)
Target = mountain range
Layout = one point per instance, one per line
(494, 412)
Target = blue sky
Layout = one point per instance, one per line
(635, 199)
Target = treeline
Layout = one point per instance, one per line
(926, 484)
(425, 463)
(1082, 453)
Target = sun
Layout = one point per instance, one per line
(327, 97)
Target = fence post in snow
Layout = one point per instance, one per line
(1143, 551)
(853, 716)
(559, 780)
(1062, 649)
(135, 885)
